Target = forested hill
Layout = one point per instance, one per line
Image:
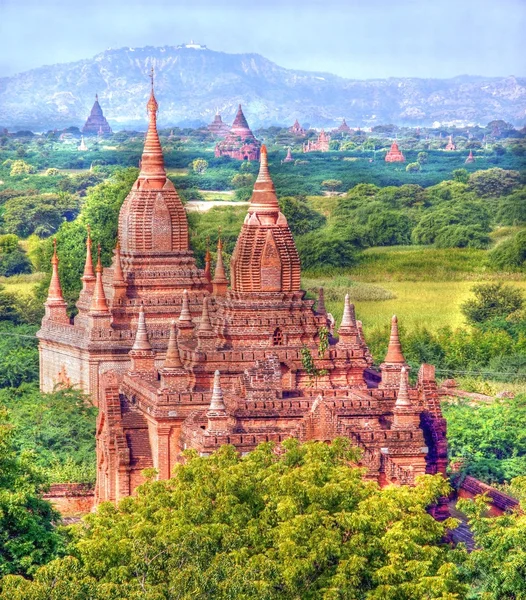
(191, 84)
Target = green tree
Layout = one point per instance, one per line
(20, 167)
(422, 157)
(242, 180)
(461, 175)
(28, 537)
(331, 184)
(494, 182)
(512, 208)
(492, 301)
(18, 346)
(413, 167)
(510, 254)
(300, 217)
(268, 526)
(199, 166)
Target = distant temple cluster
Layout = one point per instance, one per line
(179, 357)
(321, 144)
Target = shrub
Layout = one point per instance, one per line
(413, 167)
(301, 218)
(510, 254)
(328, 247)
(462, 236)
(14, 263)
(512, 208)
(492, 301)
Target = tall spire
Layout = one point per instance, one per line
(348, 332)
(349, 317)
(88, 275)
(152, 161)
(55, 304)
(264, 199)
(208, 261)
(118, 275)
(394, 351)
(217, 403)
(142, 343)
(173, 357)
(185, 323)
(99, 304)
(220, 282)
(402, 400)
(204, 324)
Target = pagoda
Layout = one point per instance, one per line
(320, 145)
(394, 154)
(240, 143)
(344, 128)
(82, 146)
(217, 127)
(470, 158)
(450, 144)
(288, 158)
(96, 123)
(297, 129)
(176, 357)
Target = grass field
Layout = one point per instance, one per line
(217, 195)
(21, 284)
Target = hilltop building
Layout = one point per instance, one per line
(394, 154)
(450, 144)
(320, 145)
(177, 358)
(297, 129)
(240, 142)
(96, 123)
(217, 127)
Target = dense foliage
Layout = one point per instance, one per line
(298, 524)
(27, 534)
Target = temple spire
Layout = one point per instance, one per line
(264, 199)
(208, 262)
(185, 323)
(142, 343)
(349, 317)
(55, 304)
(88, 275)
(402, 400)
(217, 403)
(394, 351)
(220, 282)
(152, 161)
(98, 302)
(173, 357)
(118, 275)
(204, 324)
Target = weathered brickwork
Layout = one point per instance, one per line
(176, 358)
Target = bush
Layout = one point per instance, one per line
(328, 247)
(18, 354)
(301, 218)
(512, 209)
(462, 236)
(413, 167)
(510, 254)
(492, 301)
(14, 263)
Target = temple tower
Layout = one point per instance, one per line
(96, 123)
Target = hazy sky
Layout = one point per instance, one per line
(352, 38)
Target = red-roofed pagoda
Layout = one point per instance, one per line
(177, 358)
(394, 154)
(96, 123)
(240, 142)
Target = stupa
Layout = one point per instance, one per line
(96, 123)
(176, 358)
(288, 158)
(297, 129)
(450, 144)
(470, 158)
(394, 154)
(344, 128)
(240, 143)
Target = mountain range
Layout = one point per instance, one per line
(192, 84)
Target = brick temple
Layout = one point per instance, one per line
(343, 128)
(240, 143)
(321, 144)
(394, 154)
(96, 123)
(450, 146)
(177, 358)
(297, 129)
(218, 127)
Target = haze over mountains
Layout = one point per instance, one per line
(192, 84)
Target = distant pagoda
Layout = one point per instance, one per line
(240, 143)
(218, 127)
(344, 128)
(320, 145)
(96, 123)
(288, 158)
(450, 144)
(470, 158)
(394, 154)
(297, 129)
(82, 147)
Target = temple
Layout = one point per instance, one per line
(394, 154)
(297, 129)
(218, 127)
(470, 158)
(320, 145)
(176, 357)
(240, 143)
(343, 128)
(96, 123)
(450, 144)
(288, 158)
